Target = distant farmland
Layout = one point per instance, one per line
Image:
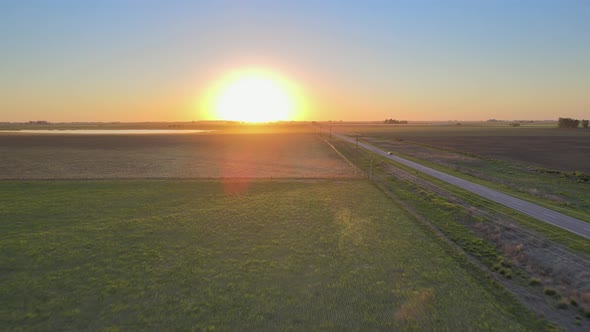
(169, 156)
(531, 163)
(551, 148)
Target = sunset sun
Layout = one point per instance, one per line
(254, 96)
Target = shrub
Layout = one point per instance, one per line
(549, 291)
(504, 262)
(562, 305)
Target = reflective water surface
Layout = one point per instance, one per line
(107, 131)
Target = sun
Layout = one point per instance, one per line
(254, 95)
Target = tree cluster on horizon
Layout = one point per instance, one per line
(393, 121)
(38, 122)
(571, 123)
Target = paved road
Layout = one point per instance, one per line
(549, 216)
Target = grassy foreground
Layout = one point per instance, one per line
(206, 255)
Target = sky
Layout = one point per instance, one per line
(144, 60)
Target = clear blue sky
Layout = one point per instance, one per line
(355, 60)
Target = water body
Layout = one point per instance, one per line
(107, 131)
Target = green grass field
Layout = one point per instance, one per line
(261, 255)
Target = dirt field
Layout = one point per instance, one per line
(280, 155)
(551, 148)
(562, 153)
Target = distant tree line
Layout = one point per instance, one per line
(571, 123)
(38, 122)
(393, 121)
